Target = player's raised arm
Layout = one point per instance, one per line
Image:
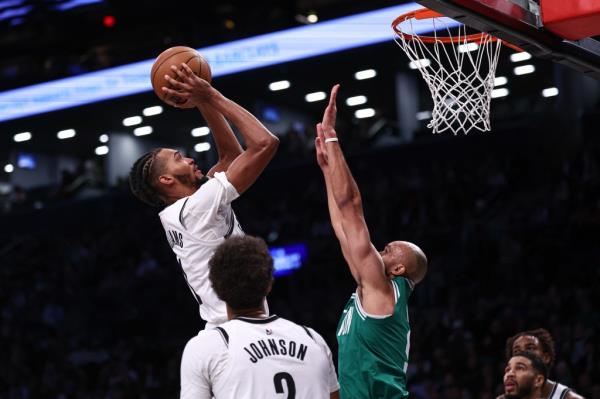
(334, 212)
(261, 144)
(365, 262)
(228, 147)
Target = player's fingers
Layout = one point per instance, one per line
(186, 69)
(169, 100)
(333, 95)
(174, 93)
(319, 145)
(173, 82)
(320, 130)
(180, 86)
(180, 72)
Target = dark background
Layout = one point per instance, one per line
(92, 301)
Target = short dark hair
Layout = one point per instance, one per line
(241, 272)
(143, 177)
(536, 362)
(546, 342)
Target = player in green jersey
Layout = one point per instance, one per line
(373, 333)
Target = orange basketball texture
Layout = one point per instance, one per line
(175, 56)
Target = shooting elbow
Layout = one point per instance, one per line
(348, 200)
(269, 143)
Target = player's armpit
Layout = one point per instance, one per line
(377, 294)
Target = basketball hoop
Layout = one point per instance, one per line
(458, 68)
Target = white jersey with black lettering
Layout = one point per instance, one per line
(559, 391)
(257, 358)
(195, 226)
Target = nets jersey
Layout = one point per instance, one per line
(373, 350)
(257, 358)
(559, 391)
(195, 226)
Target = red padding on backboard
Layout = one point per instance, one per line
(571, 19)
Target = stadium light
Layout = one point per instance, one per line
(365, 74)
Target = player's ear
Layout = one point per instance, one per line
(546, 357)
(398, 269)
(166, 180)
(538, 381)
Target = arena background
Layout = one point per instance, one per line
(92, 301)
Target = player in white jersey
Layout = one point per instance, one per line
(198, 216)
(254, 355)
(524, 376)
(541, 343)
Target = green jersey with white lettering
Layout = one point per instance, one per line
(373, 350)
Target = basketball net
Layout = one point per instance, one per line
(459, 70)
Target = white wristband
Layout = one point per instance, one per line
(329, 140)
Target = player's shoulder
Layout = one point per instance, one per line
(307, 331)
(573, 395)
(206, 341)
(172, 211)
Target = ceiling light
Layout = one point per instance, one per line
(365, 74)
(423, 115)
(364, 113)
(522, 56)
(9, 168)
(20, 137)
(279, 85)
(524, 69)
(103, 138)
(316, 96)
(102, 150)
(550, 92)
(150, 111)
(200, 131)
(500, 81)
(312, 17)
(66, 134)
(356, 100)
(422, 63)
(142, 131)
(132, 120)
(467, 47)
(201, 147)
(501, 92)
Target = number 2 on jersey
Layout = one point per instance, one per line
(278, 380)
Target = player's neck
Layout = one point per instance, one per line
(257, 313)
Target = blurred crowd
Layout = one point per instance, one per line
(93, 303)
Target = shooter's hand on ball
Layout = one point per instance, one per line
(187, 88)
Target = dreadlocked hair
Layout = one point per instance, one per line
(546, 343)
(143, 176)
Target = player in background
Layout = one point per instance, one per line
(253, 355)
(198, 216)
(374, 332)
(524, 376)
(540, 342)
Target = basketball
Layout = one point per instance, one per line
(175, 56)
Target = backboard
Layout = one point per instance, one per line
(520, 22)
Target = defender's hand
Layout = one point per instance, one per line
(320, 149)
(330, 115)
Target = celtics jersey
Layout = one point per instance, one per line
(373, 350)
